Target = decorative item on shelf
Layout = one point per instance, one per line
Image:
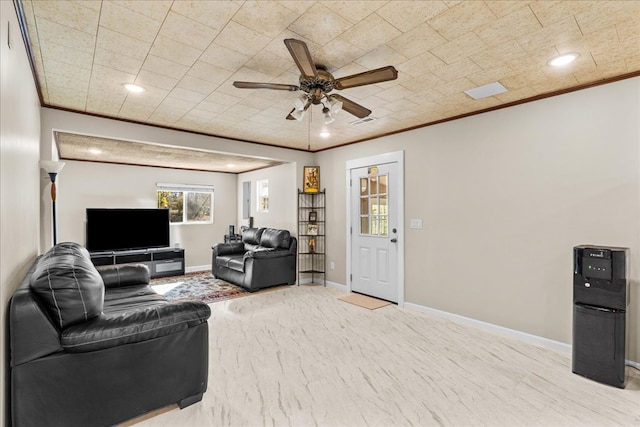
(53, 168)
(312, 245)
(313, 216)
(232, 230)
(311, 182)
(312, 229)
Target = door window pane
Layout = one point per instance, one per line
(374, 209)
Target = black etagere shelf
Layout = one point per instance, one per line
(312, 235)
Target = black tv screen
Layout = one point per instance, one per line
(112, 229)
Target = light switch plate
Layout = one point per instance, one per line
(416, 223)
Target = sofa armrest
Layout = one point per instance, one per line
(131, 326)
(116, 276)
(228, 248)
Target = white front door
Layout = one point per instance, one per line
(374, 230)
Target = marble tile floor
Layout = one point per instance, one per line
(300, 357)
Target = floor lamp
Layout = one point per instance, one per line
(53, 168)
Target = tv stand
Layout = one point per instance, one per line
(161, 261)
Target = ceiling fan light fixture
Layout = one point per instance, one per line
(297, 114)
(334, 104)
(300, 102)
(327, 116)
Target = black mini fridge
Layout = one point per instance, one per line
(600, 300)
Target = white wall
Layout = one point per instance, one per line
(504, 196)
(283, 199)
(20, 175)
(84, 185)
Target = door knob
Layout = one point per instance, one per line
(394, 240)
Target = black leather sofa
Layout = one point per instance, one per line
(265, 257)
(96, 347)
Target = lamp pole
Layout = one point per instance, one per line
(53, 168)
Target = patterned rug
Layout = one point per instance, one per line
(200, 285)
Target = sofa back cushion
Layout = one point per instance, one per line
(276, 239)
(251, 238)
(68, 284)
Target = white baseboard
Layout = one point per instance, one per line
(501, 330)
(329, 284)
(197, 268)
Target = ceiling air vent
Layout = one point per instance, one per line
(363, 120)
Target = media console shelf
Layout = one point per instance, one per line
(161, 262)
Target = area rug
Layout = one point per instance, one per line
(364, 301)
(200, 285)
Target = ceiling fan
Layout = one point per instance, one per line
(316, 83)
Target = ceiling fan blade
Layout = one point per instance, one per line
(255, 85)
(368, 77)
(351, 107)
(300, 53)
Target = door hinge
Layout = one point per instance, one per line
(351, 277)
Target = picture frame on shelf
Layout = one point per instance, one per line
(313, 216)
(312, 229)
(311, 182)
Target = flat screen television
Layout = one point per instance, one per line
(114, 229)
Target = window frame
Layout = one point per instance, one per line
(186, 190)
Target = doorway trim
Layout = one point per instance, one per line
(392, 157)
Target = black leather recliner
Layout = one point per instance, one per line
(265, 257)
(96, 347)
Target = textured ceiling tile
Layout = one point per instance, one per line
(65, 36)
(395, 93)
(371, 32)
(352, 11)
(380, 57)
(122, 44)
(457, 70)
(187, 95)
(208, 72)
(550, 12)
(66, 75)
(498, 55)
(67, 55)
(489, 75)
(156, 9)
(417, 41)
(241, 39)
(223, 99)
(175, 51)
(223, 57)
(128, 22)
(195, 84)
(268, 18)
(461, 19)
(148, 79)
(67, 100)
(112, 59)
(406, 15)
(164, 67)
(604, 14)
(459, 48)
(267, 64)
(69, 14)
(320, 24)
(187, 31)
(335, 54)
(502, 8)
(214, 14)
(517, 24)
(420, 64)
(550, 35)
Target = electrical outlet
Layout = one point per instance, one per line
(332, 265)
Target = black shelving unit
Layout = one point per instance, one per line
(311, 235)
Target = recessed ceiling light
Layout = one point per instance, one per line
(231, 165)
(564, 59)
(134, 88)
(325, 134)
(95, 151)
